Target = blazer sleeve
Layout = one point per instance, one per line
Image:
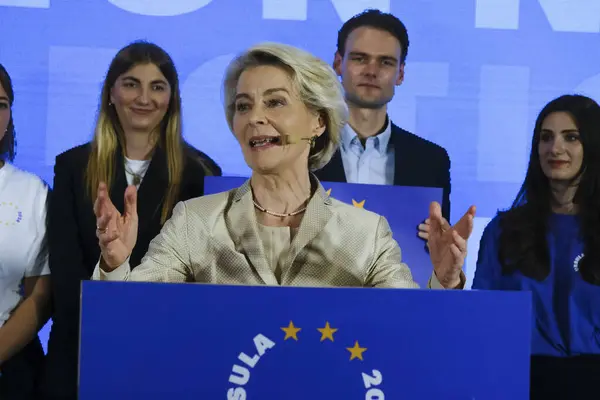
(488, 269)
(65, 253)
(387, 269)
(167, 259)
(67, 270)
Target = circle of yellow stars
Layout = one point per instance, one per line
(357, 204)
(18, 213)
(327, 332)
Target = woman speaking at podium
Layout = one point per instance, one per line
(548, 243)
(286, 109)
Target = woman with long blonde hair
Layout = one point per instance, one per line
(137, 142)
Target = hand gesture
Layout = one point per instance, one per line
(448, 247)
(116, 233)
(425, 226)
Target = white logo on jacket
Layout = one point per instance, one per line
(576, 262)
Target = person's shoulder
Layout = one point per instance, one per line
(199, 160)
(492, 229)
(493, 226)
(354, 215)
(419, 144)
(77, 155)
(208, 205)
(24, 183)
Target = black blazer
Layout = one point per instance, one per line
(74, 249)
(418, 162)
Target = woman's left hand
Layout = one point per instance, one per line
(448, 244)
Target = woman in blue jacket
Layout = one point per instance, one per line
(548, 243)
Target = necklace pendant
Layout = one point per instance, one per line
(136, 179)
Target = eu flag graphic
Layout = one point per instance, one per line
(200, 341)
(404, 208)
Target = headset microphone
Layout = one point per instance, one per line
(287, 139)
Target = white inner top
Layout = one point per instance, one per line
(137, 167)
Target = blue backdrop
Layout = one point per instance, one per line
(477, 73)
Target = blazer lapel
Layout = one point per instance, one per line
(117, 189)
(241, 222)
(153, 188)
(315, 218)
(403, 159)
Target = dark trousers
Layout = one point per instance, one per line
(20, 374)
(569, 378)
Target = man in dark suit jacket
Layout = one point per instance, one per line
(370, 58)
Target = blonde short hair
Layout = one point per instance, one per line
(315, 81)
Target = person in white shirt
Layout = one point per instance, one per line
(24, 271)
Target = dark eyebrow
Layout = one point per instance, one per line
(4, 98)
(130, 78)
(156, 81)
(389, 58)
(384, 58)
(357, 53)
(136, 80)
(563, 131)
(266, 93)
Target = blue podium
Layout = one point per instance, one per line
(197, 341)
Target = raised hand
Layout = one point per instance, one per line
(448, 244)
(424, 228)
(117, 234)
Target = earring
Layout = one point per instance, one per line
(110, 103)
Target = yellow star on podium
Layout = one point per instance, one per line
(356, 351)
(327, 332)
(358, 204)
(328, 192)
(291, 331)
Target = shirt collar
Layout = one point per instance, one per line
(349, 134)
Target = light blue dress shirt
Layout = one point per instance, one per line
(373, 163)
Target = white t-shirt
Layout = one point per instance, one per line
(22, 233)
(137, 167)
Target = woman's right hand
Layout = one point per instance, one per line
(117, 234)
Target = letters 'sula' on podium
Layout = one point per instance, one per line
(404, 207)
(195, 341)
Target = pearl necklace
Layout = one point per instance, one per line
(275, 214)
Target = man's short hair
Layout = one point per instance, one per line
(375, 19)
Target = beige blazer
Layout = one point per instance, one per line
(215, 239)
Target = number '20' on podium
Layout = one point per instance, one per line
(197, 341)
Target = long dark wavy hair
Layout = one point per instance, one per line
(522, 245)
(8, 143)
